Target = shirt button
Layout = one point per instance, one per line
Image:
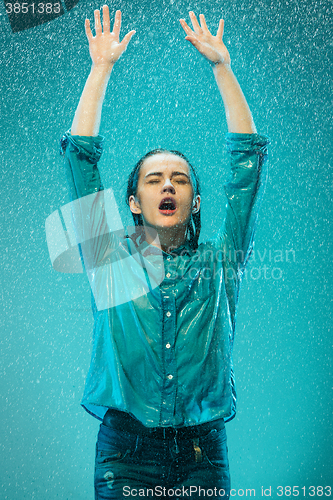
(168, 345)
(168, 275)
(168, 314)
(170, 377)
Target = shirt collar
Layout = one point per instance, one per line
(146, 249)
(184, 249)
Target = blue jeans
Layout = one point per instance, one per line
(131, 465)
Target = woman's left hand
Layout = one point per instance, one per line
(211, 47)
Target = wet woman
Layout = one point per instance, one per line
(161, 378)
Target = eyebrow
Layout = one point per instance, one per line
(160, 174)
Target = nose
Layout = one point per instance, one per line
(168, 187)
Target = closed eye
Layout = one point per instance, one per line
(178, 181)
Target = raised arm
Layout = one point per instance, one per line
(82, 146)
(238, 114)
(248, 158)
(105, 49)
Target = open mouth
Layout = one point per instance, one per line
(167, 206)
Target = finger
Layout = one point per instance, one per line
(106, 19)
(185, 27)
(195, 24)
(98, 27)
(193, 41)
(88, 30)
(117, 23)
(203, 24)
(126, 39)
(219, 33)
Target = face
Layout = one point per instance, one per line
(164, 195)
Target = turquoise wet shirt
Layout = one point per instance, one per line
(165, 357)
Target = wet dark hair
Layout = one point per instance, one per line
(194, 226)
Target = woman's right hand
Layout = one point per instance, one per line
(104, 47)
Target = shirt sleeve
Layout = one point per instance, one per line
(81, 156)
(243, 189)
(87, 195)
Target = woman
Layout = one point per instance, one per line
(161, 377)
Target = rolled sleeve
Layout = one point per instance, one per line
(246, 142)
(81, 156)
(244, 189)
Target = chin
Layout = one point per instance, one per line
(166, 222)
(162, 226)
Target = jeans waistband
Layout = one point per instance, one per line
(122, 421)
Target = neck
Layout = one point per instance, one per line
(168, 238)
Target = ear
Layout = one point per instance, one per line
(134, 205)
(196, 204)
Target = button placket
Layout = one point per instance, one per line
(169, 266)
(169, 360)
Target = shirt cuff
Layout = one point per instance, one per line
(245, 142)
(90, 146)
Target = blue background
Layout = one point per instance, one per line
(163, 93)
